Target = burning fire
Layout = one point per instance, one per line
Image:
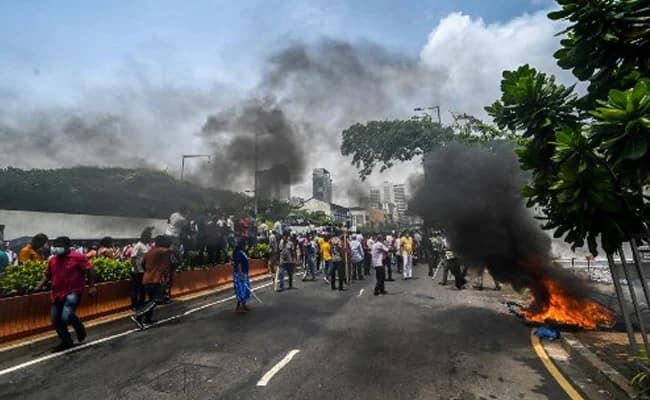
(565, 309)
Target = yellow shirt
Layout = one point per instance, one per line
(406, 244)
(325, 250)
(28, 253)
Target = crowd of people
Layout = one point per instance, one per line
(339, 256)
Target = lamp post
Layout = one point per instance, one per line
(191, 156)
(424, 109)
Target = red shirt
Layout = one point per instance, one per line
(68, 274)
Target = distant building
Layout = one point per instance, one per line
(374, 199)
(274, 183)
(337, 213)
(399, 198)
(358, 217)
(387, 193)
(322, 185)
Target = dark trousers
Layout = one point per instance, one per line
(155, 295)
(454, 267)
(399, 263)
(380, 274)
(338, 267)
(388, 261)
(366, 263)
(137, 290)
(287, 268)
(63, 314)
(357, 270)
(433, 260)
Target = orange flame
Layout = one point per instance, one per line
(566, 309)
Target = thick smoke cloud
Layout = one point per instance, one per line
(307, 95)
(473, 193)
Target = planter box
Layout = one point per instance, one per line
(22, 316)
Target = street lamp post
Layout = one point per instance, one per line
(423, 109)
(191, 156)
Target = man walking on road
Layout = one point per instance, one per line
(67, 270)
(158, 267)
(326, 255)
(338, 264)
(356, 251)
(406, 244)
(378, 253)
(287, 261)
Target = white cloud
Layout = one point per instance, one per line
(475, 54)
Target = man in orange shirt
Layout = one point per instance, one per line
(31, 252)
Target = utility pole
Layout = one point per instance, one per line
(255, 187)
(191, 156)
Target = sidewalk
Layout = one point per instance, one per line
(604, 357)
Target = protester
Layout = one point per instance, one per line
(326, 254)
(310, 259)
(389, 242)
(379, 253)
(406, 247)
(367, 258)
(176, 225)
(274, 256)
(137, 268)
(435, 247)
(337, 261)
(357, 256)
(67, 271)
(106, 248)
(33, 250)
(4, 260)
(240, 278)
(158, 268)
(287, 261)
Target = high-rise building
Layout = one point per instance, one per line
(399, 198)
(387, 193)
(322, 185)
(374, 199)
(274, 183)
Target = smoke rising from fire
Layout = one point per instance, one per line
(307, 94)
(473, 193)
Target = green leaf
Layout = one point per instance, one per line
(635, 148)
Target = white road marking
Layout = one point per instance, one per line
(361, 292)
(277, 367)
(118, 335)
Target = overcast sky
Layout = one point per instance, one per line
(152, 71)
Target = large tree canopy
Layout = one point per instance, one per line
(588, 156)
(383, 143)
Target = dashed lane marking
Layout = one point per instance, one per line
(277, 367)
(361, 292)
(118, 335)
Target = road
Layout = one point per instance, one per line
(421, 341)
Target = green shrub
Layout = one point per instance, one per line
(19, 279)
(108, 269)
(261, 250)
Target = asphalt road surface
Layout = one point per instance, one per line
(421, 341)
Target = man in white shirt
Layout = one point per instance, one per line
(379, 253)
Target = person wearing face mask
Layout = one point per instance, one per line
(67, 271)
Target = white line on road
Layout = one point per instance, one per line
(361, 292)
(277, 367)
(118, 335)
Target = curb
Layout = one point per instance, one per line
(597, 368)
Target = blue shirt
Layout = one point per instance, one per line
(4, 261)
(241, 259)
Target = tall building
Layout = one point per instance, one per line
(374, 199)
(387, 193)
(274, 183)
(399, 198)
(322, 185)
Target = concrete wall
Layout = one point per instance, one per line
(77, 226)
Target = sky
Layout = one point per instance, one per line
(132, 83)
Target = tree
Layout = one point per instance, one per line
(382, 143)
(588, 156)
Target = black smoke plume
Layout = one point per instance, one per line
(473, 193)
